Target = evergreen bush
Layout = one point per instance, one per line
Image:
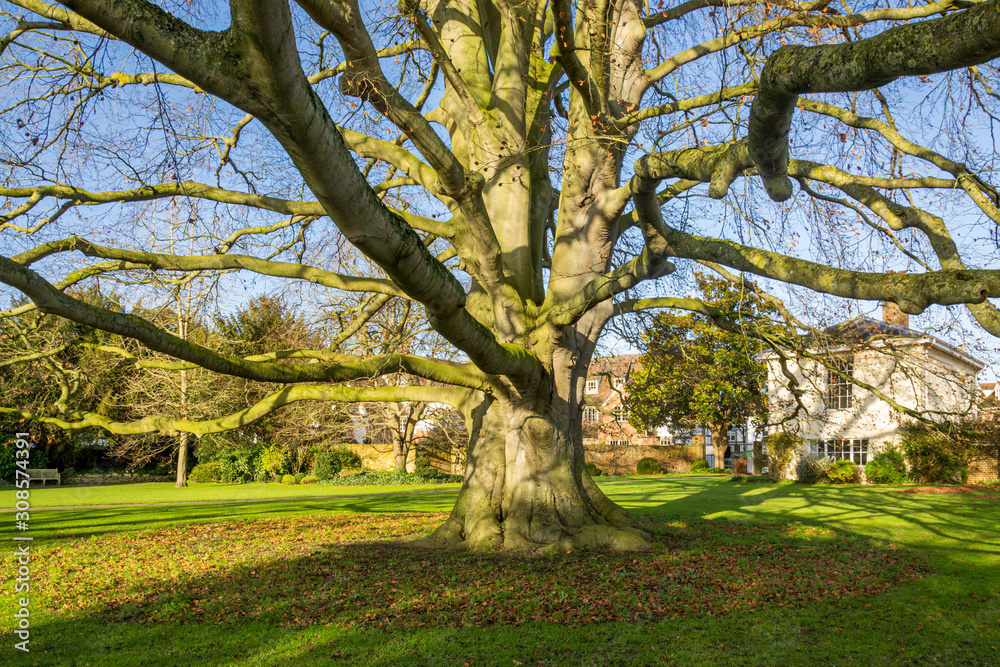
(325, 465)
(699, 465)
(887, 467)
(648, 466)
(204, 473)
(239, 463)
(942, 452)
(288, 479)
(812, 471)
(843, 472)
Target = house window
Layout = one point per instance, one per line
(621, 414)
(618, 383)
(666, 440)
(839, 390)
(590, 414)
(618, 443)
(592, 386)
(849, 450)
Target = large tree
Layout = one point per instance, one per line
(506, 164)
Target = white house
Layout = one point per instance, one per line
(894, 367)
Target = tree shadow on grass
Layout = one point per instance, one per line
(220, 581)
(946, 525)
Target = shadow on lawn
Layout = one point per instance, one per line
(54, 526)
(278, 573)
(941, 524)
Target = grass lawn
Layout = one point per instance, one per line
(745, 574)
(166, 492)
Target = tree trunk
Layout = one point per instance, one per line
(182, 453)
(400, 452)
(526, 487)
(720, 441)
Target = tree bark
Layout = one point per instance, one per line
(182, 452)
(720, 441)
(526, 486)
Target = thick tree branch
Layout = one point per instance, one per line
(968, 37)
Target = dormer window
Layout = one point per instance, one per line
(592, 386)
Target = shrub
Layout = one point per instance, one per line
(8, 460)
(717, 471)
(648, 466)
(205, 472)
(942, 452)
(886, 467)
(423, 468)
(239, 463)
(781, 447)
(843, 472)
(812, 471)
(348, 459)
(299, 476)
(288, 479)
(699, 465)
(309, 479)
(325, 465)
(391, 479)
(592, 470)
(748, 479)
(273, 461)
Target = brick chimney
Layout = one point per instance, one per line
(893, 315)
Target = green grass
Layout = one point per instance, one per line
(166, 492)
(864, 576)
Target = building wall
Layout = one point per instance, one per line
(917, 376)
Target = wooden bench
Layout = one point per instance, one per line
(44, 474)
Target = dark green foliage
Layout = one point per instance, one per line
(694, 372)
(422, 467)
(325, 465)
(843, 472)
(812, 471)
(592, 470)
(289, 479)
(887, 467)
(392, 479)
(239, 463)
(8, 460)
(942, 452)
(205, 472)
(699, 465)
(328, 463)
(751, 479)
(348, 459)
(648, 466)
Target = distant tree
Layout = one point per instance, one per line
(694, 372)
(270, 328)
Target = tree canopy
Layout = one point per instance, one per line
(522, 173)
(694, 372)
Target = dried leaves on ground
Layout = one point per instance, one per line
(352, 569)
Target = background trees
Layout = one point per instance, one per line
(522, 174)
(693, 372)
